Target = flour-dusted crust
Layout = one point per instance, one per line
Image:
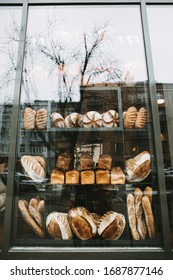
(41, 118)
(82, 223)
(117, 175)
(73, 120)
(141, 225)
(132, 216)
(33, 168)
(111, 225)
(110, 118)
(29, 118)
(149, 218)
(92, 119)
(58, 120)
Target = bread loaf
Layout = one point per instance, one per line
(96, 218)
(117, 176)
(35, 214)
(110, 118)
(132, 216)
(130, 117)
(57, 177)
(73, 120)
(149, 218)
(111, 225)
(148, 191)
(58, 120)
(102, 176)
(82, 223)
(86, 162)
(141, 226)
(138, 168)
(29, 220)
(41, 118)
(64, 161)
(141, 118)
(87, 177)
(33, 168)
(58, 226)
(72, 177)
(92, 119)
(29, 118)
(105, 162)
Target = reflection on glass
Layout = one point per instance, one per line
(161, 18)
(80, 77)
(9, 38)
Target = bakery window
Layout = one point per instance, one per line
(10, 17)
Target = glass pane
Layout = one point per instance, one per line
(9, 38)
(85, 122)
(161, 18)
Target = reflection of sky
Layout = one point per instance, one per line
(160, 24)
(124, 40)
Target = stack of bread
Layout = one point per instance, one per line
(133, 118)
(104, 173)
(33, 213)
(140, 214)
(35, 119)
(91, 119)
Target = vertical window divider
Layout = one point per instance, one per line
(14, 132)
(156, 129)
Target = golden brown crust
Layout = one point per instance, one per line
(117, 175)
(64, 161)
(86, 161)
(72, 177)
(148, 191)
(96, 218)
(141, 226)
(54, 229)
(87, 177)
(57, 177)
(105, 162)
(41, 206)
(149, 218)
(41, 118)
(141, 118)
(102, 177)
(130, 117)
(132, 216)
(58, 120)
(29, 220)
(29, 118)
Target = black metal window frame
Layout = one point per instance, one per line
(73, 253)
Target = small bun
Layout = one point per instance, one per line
(57, 226)
(111, 225)
(92, 119)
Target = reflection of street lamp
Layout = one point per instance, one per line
(160, 99)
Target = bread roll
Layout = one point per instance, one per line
(92, 119)
(57, 177)
(82, 223)
(111, 225)
(105, 162)
(29, 220)
(132, 216)
(117, 176)
(149, 218)
(141, 118)
(110, 118)
(64, 161)
(58, 120)
(86, 162)
(72, 177)
(102, 177)
(41, 118)
(58, 226)
(148, 191)
(29, 118)
(87, 177)
(33, 168)
(138, 168)
(130, 117)
(141, 226)
(73, 120)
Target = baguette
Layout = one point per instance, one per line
(132, 216)
(149, 218)
(141, 226)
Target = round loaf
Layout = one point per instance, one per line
(58, 226)
(92, 119)
(110, 118)
(73, 120)
(58, 120)
(112, 225)
(33, 168)
(138, 168)
(82, 223)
